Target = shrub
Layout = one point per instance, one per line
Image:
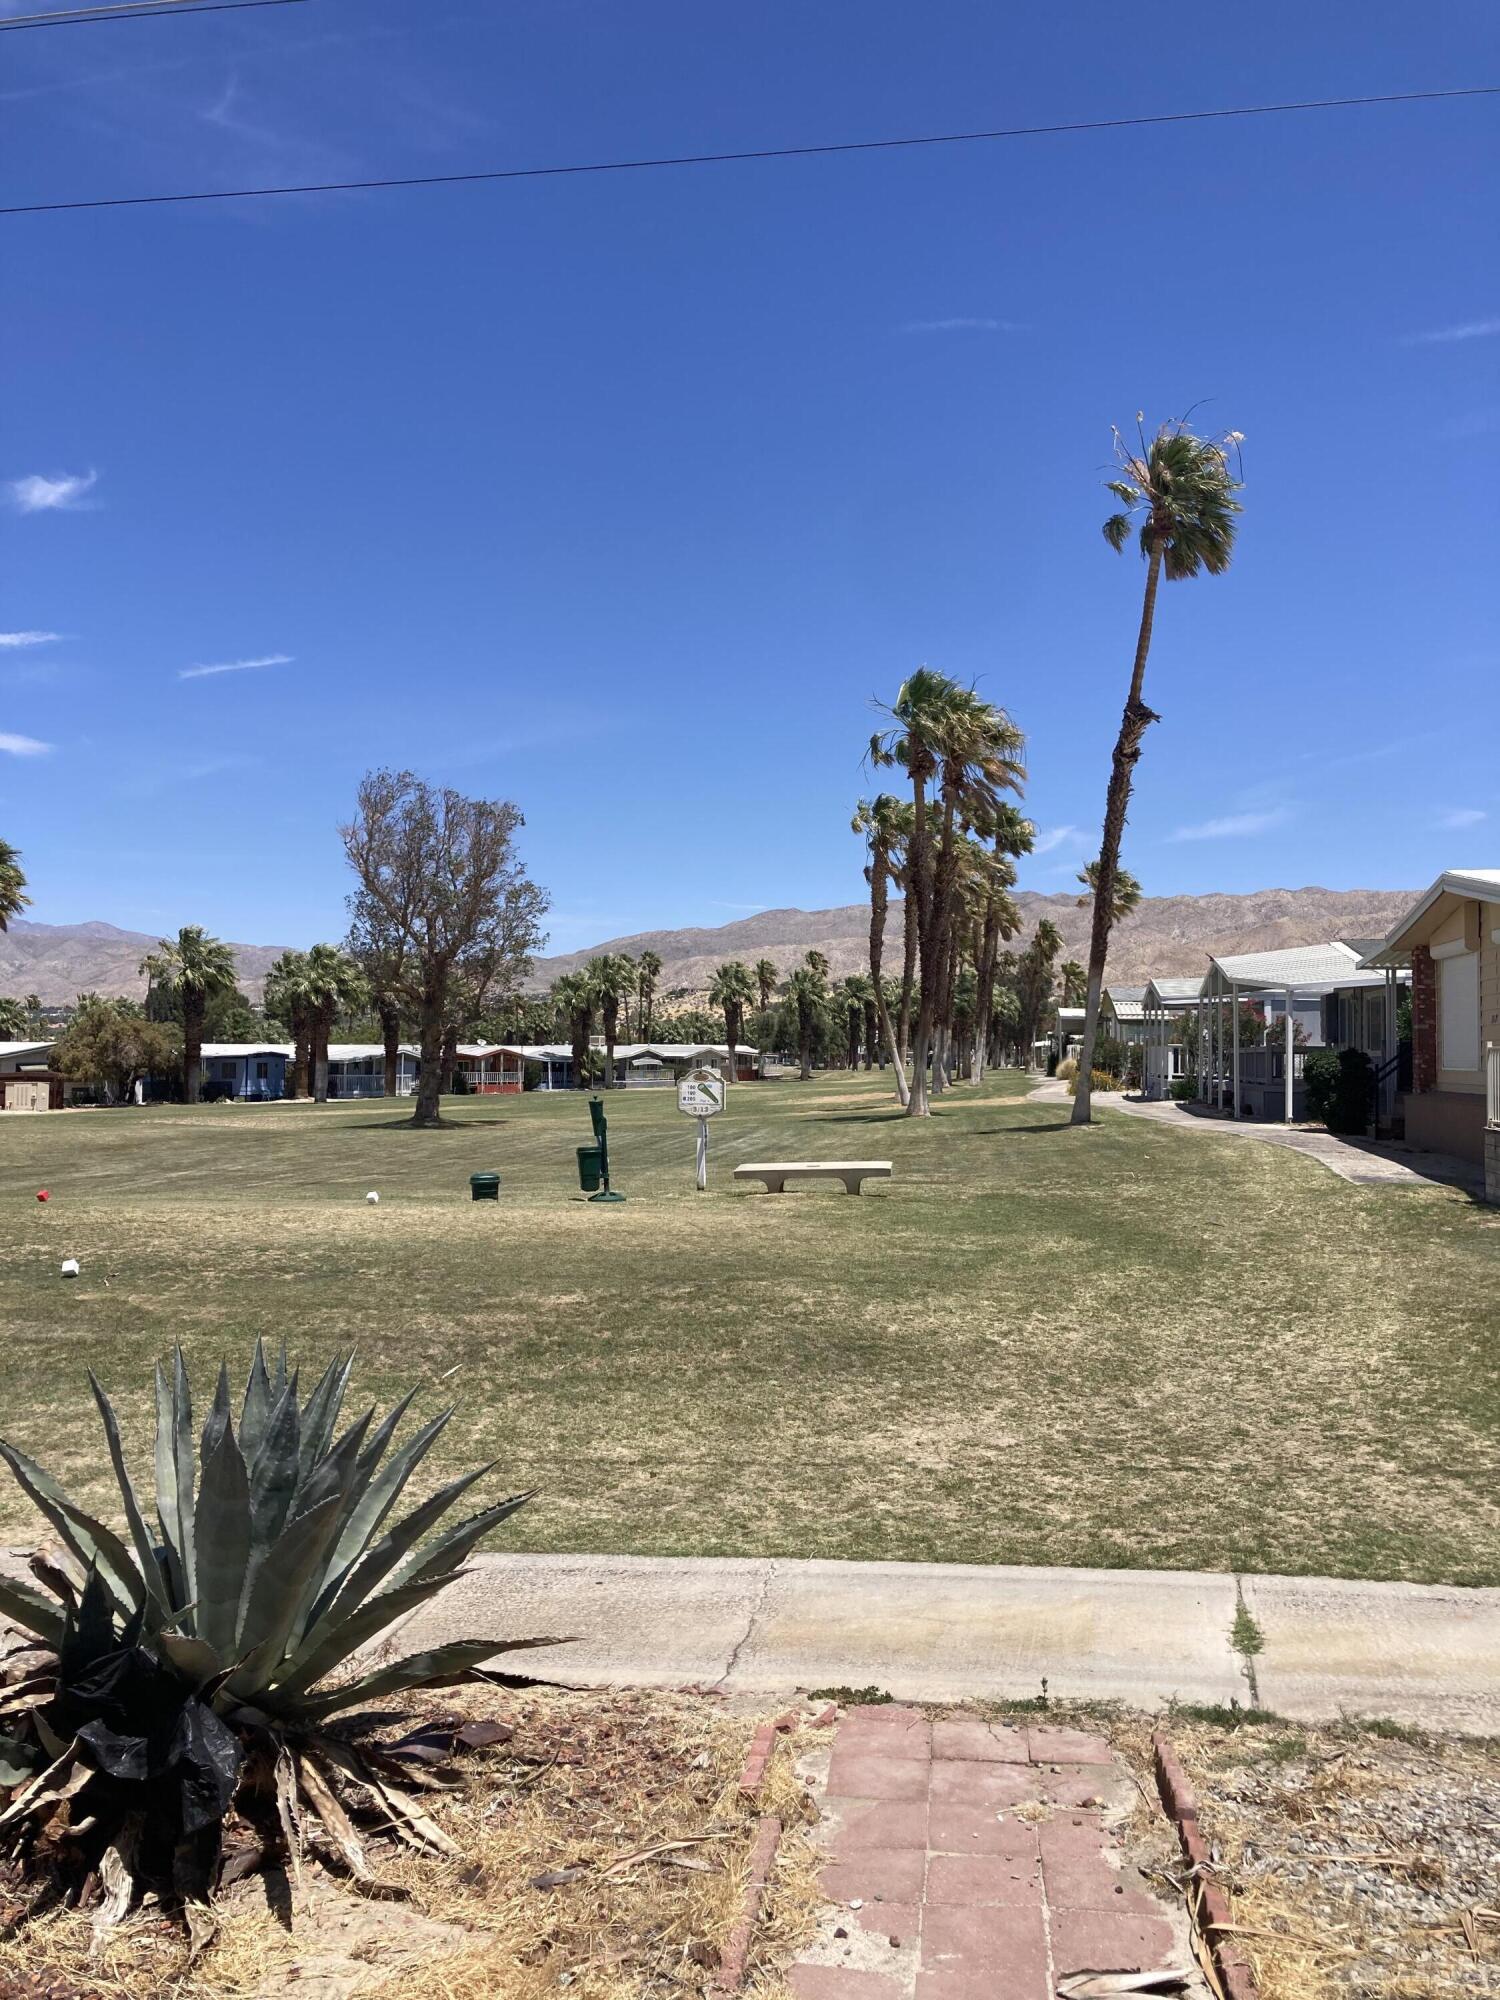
(1340, 1086)
(1182, 1088)
(178, 1675)
(1067, 1069)
(1111, 1055)
(1099, 1079)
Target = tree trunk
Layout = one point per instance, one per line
(611, 1012)
(450, 1058)
(872, 1033)
(879, 877)
(321, 1026)
(1134, 723)
(428, 1112)
(390, 1031)
(192, 1045)
(804, 1036)
(580, 1051)
(908, 982)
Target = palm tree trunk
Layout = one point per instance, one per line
(390, 1030)
(1134, 723)
(192, 1044)
(804, 1037)
(872, 1033)
(428, 1111)
(301, 1054)
(879, 901)
(321, 1026)
(908, 981)
(611, 1025)
(580, 1051)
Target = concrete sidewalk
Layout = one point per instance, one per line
(1364, 1162)
(1422, 1654)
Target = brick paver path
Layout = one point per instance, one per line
(969, 1861)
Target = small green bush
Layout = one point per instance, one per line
(1340, 1087)
(1111, 1055)
(1182, 1088)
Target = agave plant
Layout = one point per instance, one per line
(180, 1670)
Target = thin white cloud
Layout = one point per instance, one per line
(22, 746)
(235, 666)
(1461, 816)
(1053, 838)
(965, 323)
(1469, 329)
(8, 640)
(1234, 826)
(66, 494)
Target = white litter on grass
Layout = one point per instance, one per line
(372, 1198)
(70, 1267)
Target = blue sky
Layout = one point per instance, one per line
(624, 496)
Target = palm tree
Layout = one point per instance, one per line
(191, 966)
(766, 978)
(1181, 490)
(1126, 897)
(855, 991)
(33, 1012)
(960, 752)
(334, 985)
(885, 822)
(816, 962)
(1074, 982)
(288, 999)
(733, 989)
(13, 1020)
(575, 995)
(13, 897)
(612, 976)
(647, 973)
(1034, 980)
(808, 992)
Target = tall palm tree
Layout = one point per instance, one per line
(766, 977)
(192, 966)
(289, 1000)
(575, 996)
(959, 752)
(808, 992)
(1180, 491)
(1075, 981)
(13, 897)
(33, 1012)
(647, 973)
(733, 989)
(13, 1020)
(612, 975)
(335, 985)
(885, 822)
(816, 962)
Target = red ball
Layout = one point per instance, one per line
(42, 1195)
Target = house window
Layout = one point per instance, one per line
(1458, 1011)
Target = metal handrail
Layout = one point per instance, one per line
(1492, 1084)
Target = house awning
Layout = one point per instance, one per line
(1472, 885)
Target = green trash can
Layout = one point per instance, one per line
(590, 1162)
(484, 1187)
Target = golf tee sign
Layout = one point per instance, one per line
(700, 1094)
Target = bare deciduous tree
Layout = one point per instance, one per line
(442, 898)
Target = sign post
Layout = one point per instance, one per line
(700, 1094)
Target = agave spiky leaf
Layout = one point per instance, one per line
(89, 1540)
(159, 1606)
(32, 1610)
(221, 1533)
(174, 1478)
(443, 1666)
(256, 1408)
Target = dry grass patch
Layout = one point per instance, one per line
(602, 1851)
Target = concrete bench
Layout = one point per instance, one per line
(851, 1172)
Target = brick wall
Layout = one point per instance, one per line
(1423, 1020)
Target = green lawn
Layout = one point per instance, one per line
(1119, 1346)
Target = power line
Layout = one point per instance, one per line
(757, 153)
(133, 10)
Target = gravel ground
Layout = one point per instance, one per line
(1359, 1863)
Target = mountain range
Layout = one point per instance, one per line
(1166, 935)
